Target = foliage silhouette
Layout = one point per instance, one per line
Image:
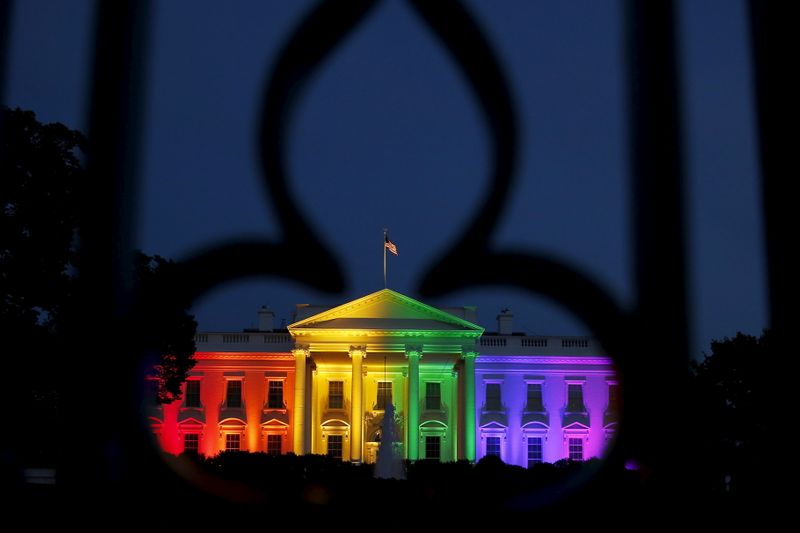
(166, 327)
(43, 180)
(731, 395)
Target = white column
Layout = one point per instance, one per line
(314, 412)
(413, 353)
(469, 405)
(299, 420)
(357, 355)
(455, 436)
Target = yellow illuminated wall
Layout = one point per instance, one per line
(442, 422)
(327, 420)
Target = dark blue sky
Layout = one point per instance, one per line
(388, 135)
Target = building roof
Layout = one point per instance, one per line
(386, 311)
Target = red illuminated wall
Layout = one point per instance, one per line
(214, 419)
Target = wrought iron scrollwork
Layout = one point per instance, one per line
(650, 369)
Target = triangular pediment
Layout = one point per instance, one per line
(385, 310)
(274, 422)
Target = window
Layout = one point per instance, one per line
(336, 395)
(534, 398)
(613, 397)
(191, 442)
(433, 396)
(233, 394)
(192, 398)
(232, 442)
(384, 394)
(493, 397)
(534, 451)
(576, 449)
(274, 444)
(335, 443)
(275, 395)
(493, 446)
(575, 398)
(432, 447)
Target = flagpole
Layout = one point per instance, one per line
(385, 231)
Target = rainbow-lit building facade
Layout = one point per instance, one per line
(321, 386)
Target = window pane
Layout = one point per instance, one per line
(335, 395)
(575, 398)
(232, 441)
(493, 446)
(493, 402)
(534, 450)
(433, 396)
(335, 446)
(275, 396)
(191, 442)
(613, 397)
(432, 448)
(233, 397)
(576, 449)
(274, 443)
(534, 400)
(192, 393)
(384, 394)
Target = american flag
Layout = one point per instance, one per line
(392, 247)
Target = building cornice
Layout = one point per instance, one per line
(545, 359)
(250, 356)
(361, 333)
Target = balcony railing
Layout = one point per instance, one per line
(523, 344)
(279, 341)
(253, 341)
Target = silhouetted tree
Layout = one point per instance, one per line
(41, 174)
(42, 179)
(164, 322)
(732, 401)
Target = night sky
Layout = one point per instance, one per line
(388, 135)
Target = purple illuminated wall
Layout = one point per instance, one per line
(588, 425)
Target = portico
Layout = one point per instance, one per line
(384, 347)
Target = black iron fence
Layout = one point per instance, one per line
(103, 468)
